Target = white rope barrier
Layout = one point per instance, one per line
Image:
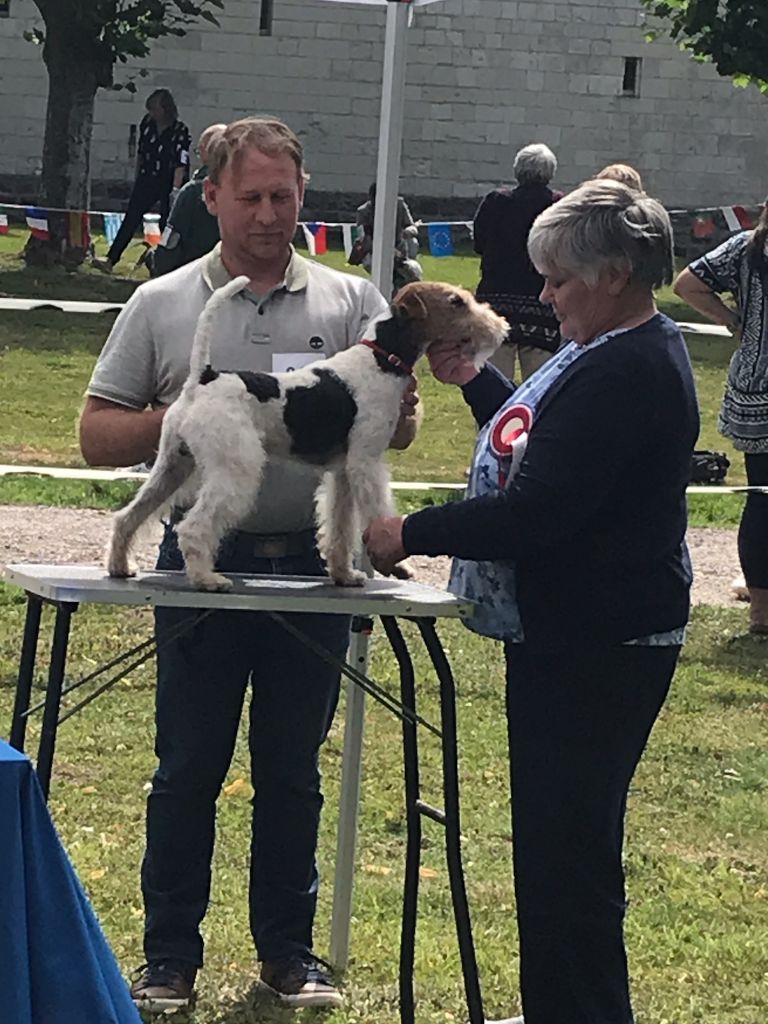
(114, 475)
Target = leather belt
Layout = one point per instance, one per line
(277, 545)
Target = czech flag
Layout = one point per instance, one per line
(3, 223)
(320, 236)
(37, 222)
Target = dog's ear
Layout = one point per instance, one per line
(457, 300)
(410, 307)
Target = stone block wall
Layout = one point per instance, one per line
(484, 77)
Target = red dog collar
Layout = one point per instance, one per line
(389, 356)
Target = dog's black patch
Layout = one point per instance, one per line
(394, 335)
(208, 375)
(262, 386)
(319, 417)
(184, 449)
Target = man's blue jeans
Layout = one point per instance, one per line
(201, 684)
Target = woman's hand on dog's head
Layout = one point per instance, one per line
(450, 364)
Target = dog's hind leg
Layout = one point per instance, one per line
(228, 492)
(172, 468)
(338, 528)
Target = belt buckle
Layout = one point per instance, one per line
(272, 547)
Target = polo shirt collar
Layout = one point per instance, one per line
(216, 274)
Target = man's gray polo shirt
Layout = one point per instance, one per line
(314, 313)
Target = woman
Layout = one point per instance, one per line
(740, 266)
(162, 167)
(508, 280)
(579, 542)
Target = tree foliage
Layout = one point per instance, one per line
(733, 34)
(105, 32)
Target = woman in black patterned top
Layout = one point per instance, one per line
(740, 267)
(162, 167)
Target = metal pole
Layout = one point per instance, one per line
(390, 145)
(26, 671)
(349, 797)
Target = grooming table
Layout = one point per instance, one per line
(66, 587)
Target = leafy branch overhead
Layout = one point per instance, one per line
(733, 34)
(103, 32)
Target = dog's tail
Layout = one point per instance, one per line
(200, 357)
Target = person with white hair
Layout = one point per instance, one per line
(571, 543)
(508, 279)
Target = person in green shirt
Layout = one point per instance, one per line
(191, 231)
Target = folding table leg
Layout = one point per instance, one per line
(413, 822)
(349, 798)
(45, 751)
(453, 819)
(26, 671)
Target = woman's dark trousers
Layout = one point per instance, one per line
(578, 721)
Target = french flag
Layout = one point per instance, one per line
(3, 223)
(37, 222)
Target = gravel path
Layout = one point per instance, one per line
(63, 535)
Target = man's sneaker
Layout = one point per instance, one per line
(103, 264)
(300, 981)
(163, 985)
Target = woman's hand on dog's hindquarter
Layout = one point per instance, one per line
(449, 363)
(383, 540)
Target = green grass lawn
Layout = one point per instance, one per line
(697, 861)
(48, 357)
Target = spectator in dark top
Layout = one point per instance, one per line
(508, 279)
(162, 167)
(583, 574)
(191, 231)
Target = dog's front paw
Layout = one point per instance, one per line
(121, 568)
(211, 581)
(404, 570)
(349, 578)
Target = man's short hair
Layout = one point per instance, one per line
(266, 134)
(207, 135)
(623, 173)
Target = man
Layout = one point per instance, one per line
(295, 312)
(162, 167)
(191, 230)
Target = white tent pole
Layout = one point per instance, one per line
(390, 144)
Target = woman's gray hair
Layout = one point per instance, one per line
(604, 225)
(535, 163)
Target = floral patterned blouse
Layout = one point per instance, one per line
(744, 411)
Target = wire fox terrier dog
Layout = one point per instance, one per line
(339, 414)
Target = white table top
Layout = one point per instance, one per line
(81, 584)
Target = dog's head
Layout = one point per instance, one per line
(444, 312)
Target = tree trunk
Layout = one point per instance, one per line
(75, 71)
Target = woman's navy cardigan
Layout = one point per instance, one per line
(596, 517)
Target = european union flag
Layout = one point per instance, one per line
(440, 239)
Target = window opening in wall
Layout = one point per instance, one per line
(5, 8)
(131, 141)
(265, 17)
(630, 85)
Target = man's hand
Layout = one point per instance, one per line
(449, 363)
(411, 415)
(384, 542)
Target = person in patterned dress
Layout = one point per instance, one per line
(739, 267)
(162, 167)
